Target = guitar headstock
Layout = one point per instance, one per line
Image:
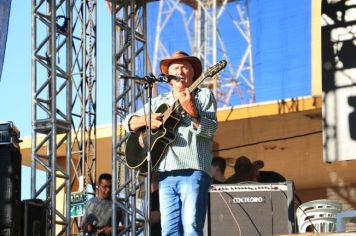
(215, 69)
(209, 73)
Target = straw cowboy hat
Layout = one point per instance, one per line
(182, 56)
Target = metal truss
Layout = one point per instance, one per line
(63, 58)
(64, 100)
(51, 108)
(202, 21)
(84, 79)
(129, 59)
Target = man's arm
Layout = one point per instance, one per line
(187, 101)
(107, 230)
(206, 106)
(137, 122)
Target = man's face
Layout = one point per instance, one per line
(183, 69)
(104, 191)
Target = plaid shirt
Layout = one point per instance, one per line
(192, 148)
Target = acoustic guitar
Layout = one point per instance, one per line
(137, 143)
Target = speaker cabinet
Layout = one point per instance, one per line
(10, 194)
(251, 209)
(35, 217)
(9, 232)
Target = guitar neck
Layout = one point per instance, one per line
(197, 82)
(209, 73)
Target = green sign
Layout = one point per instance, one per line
(77, 210)
(77, 201)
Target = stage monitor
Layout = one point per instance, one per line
(251, 209)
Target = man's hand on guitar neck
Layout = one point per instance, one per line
(187, 101)
(137, 122)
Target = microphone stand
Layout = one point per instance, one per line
(148, 82)
(148, 85)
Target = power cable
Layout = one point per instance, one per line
(266, 141)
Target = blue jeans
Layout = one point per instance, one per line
(183, 197)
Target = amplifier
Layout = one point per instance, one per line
(34, 217)
(9, 134)
(251, 209)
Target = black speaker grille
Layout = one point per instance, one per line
(35, 217)
(251, 209)
(10, 182)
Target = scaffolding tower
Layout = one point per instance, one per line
(129, 59)
(200, 27)
(84, 79)
(63, 103)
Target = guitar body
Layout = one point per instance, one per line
(137, 143)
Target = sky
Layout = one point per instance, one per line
(15, 84)
(281, 52)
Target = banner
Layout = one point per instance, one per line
(5, 6)
(339, 80)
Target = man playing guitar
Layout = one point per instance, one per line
(185, 164)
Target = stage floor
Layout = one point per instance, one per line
(336, 234)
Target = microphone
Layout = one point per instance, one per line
(168, 78)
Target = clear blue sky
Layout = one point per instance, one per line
(15, 84)
(281, 52)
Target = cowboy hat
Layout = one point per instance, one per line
(182, 56)
(245, 170)
(244, 163)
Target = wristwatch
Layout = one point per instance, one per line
(195, 118)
